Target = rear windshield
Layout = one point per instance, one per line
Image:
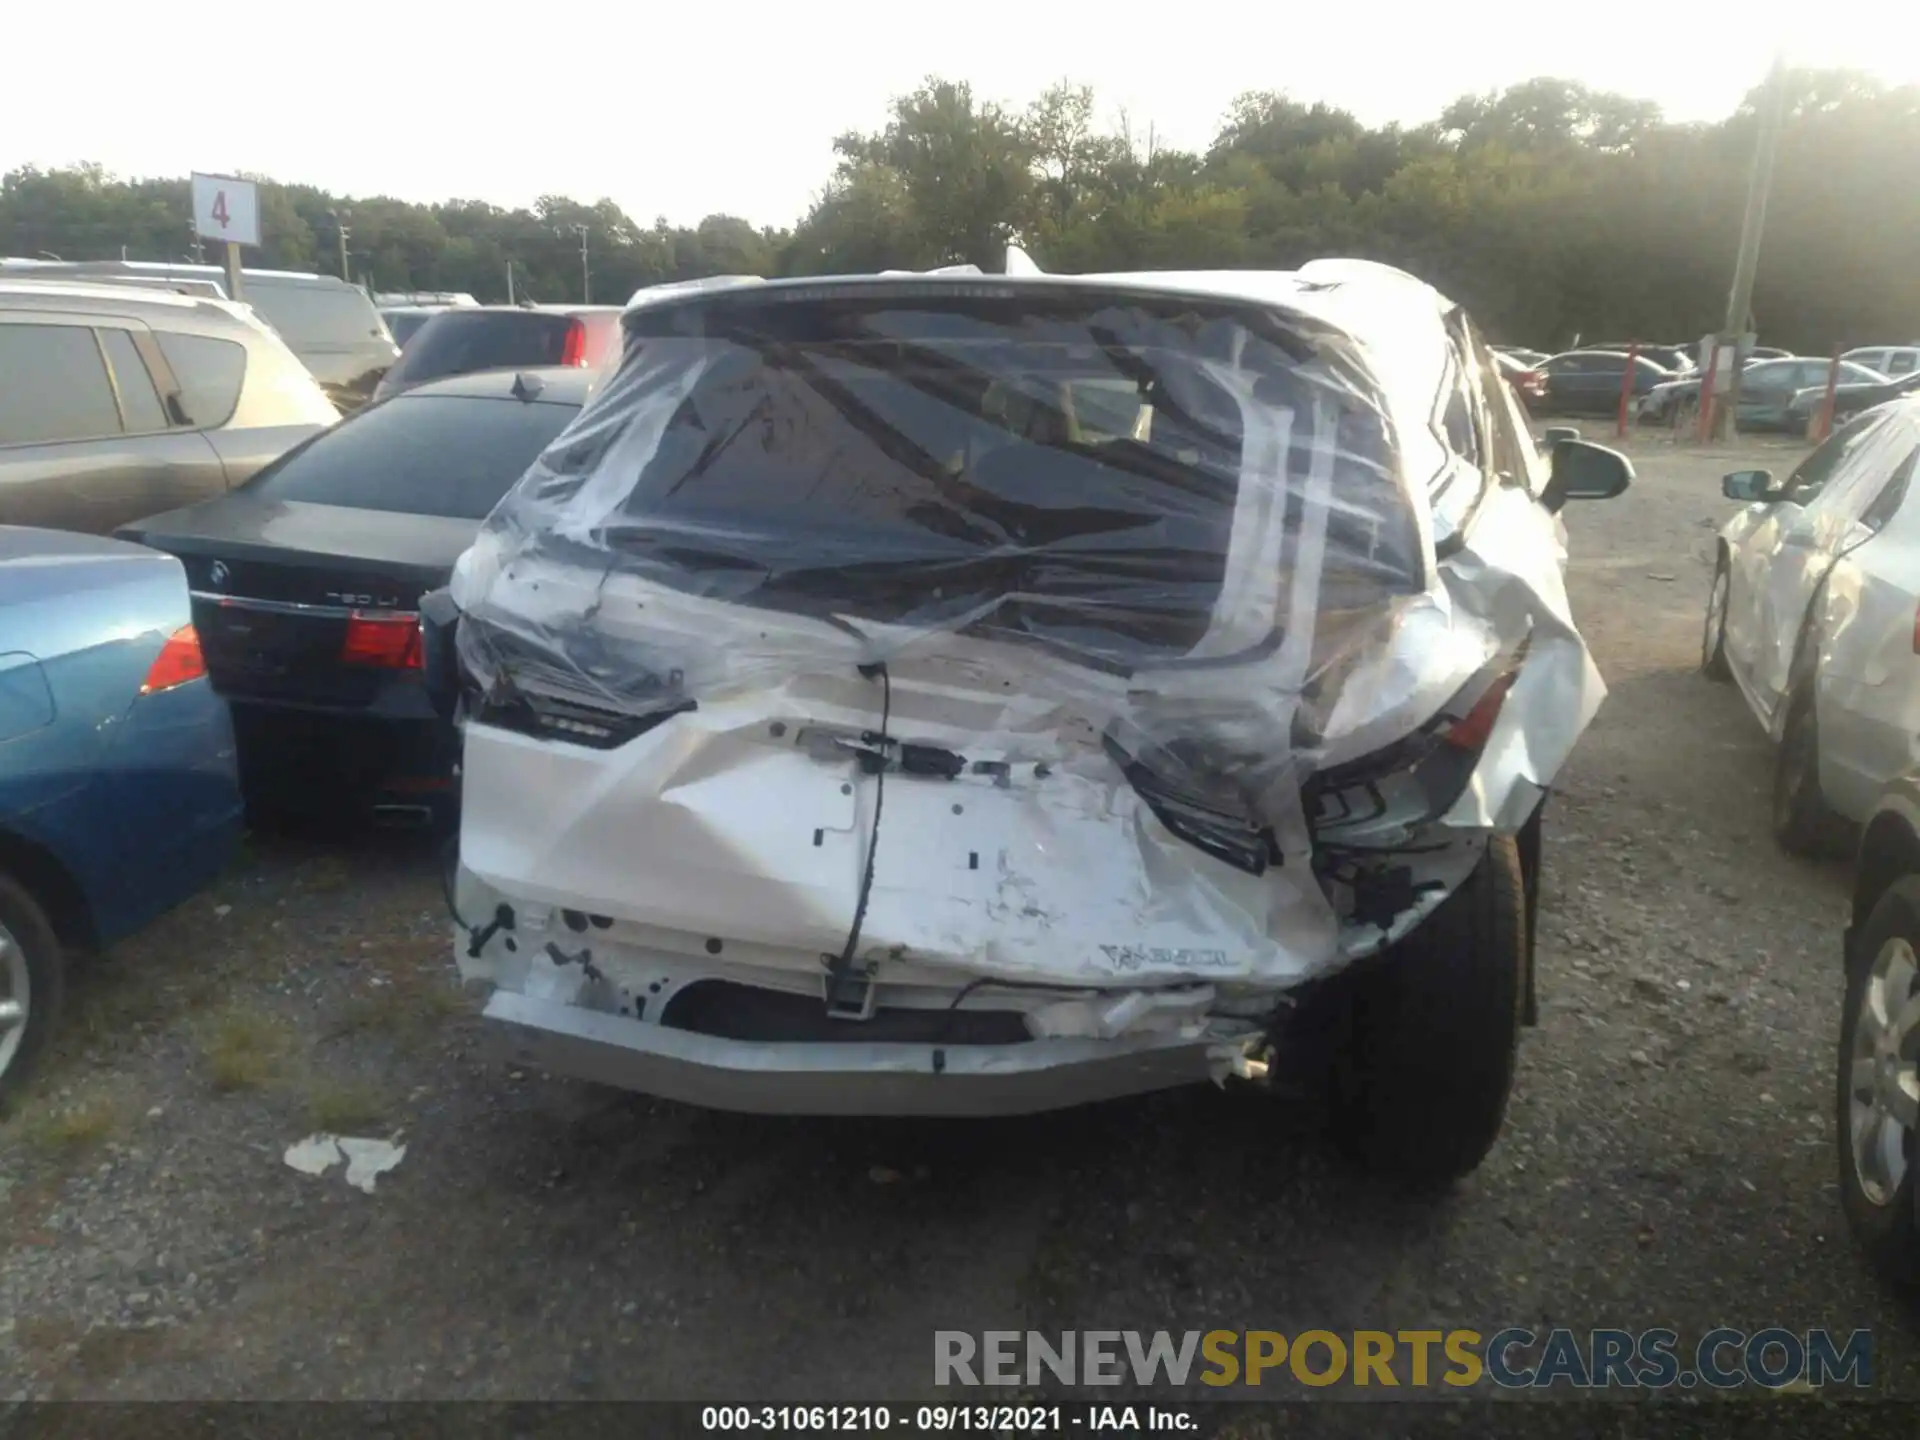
(460, 342)
(450, 455)
(1094, 477)
(315, 317)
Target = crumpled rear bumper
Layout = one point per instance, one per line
(844, 1078)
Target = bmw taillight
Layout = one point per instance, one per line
(574, 348)
(386, 640)
(178, 662)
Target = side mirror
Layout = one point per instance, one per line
(439, 661)
(1556, 433)
(1747, 486)
(1585, 471)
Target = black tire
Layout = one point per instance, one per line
(1803, 822)
(1883, 1224)
(1420, 1088)
(1713, 637)
(29, 930)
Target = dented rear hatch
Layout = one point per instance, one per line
(998, 623)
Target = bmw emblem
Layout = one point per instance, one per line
(218, 575)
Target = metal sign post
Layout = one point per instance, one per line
(227, 209)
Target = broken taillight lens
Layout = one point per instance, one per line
(1471, 730)
(178, 662)
(388, 640)
(1208, 814)
(1416, 778)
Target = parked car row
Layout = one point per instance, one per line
(1814, 614)
(1778, 392)
(330, 325)
(1773, 393)
(260, 642)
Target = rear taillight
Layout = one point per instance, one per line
(178, 662)
(1471, 730)
(574, 350)
(388, 640)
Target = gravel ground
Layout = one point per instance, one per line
(1668, 1158)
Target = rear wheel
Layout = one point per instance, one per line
(1420, 1090)
(1803, 822)
(1713, 638)
(31, 985)
(1878, 1091)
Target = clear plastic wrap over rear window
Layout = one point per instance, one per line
(1085, 475)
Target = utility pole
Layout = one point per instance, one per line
(1747, 263)
(510, 282)
(340, 218)
(586, 287)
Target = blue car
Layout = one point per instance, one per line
(118, 791)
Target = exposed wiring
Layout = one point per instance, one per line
(477, 935)
(839, 966)
(450, 858)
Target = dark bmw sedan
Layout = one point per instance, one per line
(307, 581)
(1588, 382)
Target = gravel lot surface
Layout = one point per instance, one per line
(1668, 1158)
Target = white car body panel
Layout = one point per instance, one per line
(1836, 575)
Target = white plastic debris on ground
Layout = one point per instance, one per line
(366, 1159)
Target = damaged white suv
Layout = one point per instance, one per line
(962, 694)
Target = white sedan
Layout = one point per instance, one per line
(1815, 614)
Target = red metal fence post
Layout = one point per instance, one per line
(1706, 394)
(1626, 387)
(1823, 427)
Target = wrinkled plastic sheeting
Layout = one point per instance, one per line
(1246, 595)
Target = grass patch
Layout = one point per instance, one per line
(244, 1049)
(418, 997)
(111, 1350)
(344, 1107)
(326, 873)
(69, 1126)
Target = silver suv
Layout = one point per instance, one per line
(117, 403)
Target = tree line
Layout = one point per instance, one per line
(1551, 210)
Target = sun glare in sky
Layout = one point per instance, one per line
(733, 107)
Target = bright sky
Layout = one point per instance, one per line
(685, 110)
